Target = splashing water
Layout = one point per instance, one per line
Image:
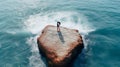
(35, 59)
(74, 20)
(35, 24)
(21, 21)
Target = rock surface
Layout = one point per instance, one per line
(60, 48)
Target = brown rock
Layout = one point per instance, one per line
(60, 48)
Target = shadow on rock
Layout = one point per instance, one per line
(61, 37)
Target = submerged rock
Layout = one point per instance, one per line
(60, 48)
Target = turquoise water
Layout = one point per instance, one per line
(21, 22)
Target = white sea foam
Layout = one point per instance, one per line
(35, 59)
(35, 24)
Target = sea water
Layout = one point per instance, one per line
(21, 22)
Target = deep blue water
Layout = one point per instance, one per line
(21, 21)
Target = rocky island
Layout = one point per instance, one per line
(60, 48)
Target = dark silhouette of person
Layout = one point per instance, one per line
(58, 26)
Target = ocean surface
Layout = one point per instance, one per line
(21, 22)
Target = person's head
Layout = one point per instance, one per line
(58, 22)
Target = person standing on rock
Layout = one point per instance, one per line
(58, 26)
